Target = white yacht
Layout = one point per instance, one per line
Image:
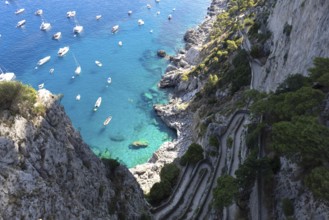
(70, 14)
(115, 28)
(169, 17)
(39, 12)
(21, 23)
(78, 97)
(43, 60)
(51, 71)
(98, 103)
(62, 51)
(148, 6)
(130, 12)
(6, 76)
(98, 63)
(7, 3)
(109, 80)
(158, 12)
(77, 29)
(45, 26)
(120, 43)
(19, 11)
(98, 17)
(57, 35)
(140, 22)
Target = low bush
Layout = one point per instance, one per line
(193, 154)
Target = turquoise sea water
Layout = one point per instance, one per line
(134, 68)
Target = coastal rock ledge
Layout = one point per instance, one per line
(48, 172)
(174, 114)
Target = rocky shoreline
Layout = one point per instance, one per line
(174, 114)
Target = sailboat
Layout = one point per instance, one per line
(78, 69)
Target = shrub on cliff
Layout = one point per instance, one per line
(318, 182)
(19, 99)
(225, 192)
(162, 190)
(193, 154)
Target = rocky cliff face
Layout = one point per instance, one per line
(48, 172)
(294, 48)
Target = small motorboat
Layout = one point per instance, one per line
(109, 80)
(120, 43)
(140, 22)
(169, 17)
(57, 35)
(98, 103)
(20, 23)
(130, 12)
(115, 28)
(51, 71)
(78, 70)
(78, 97)
(62, 51)
(45, 26)
(174, 9)
(107, 120)
(151, 31)
(19, 11)
(40, 86)
(157, 1)
(77, 29)
(98, 63)
(158, 12)
(43, 60)
(148, 6)
(70, 14)
(98, 17)
(39, 12)
(6, 2)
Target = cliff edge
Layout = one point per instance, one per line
(48, 172)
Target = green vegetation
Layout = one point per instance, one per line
(225, 192)
(320, 71)
(193, 154)
(288, 207)
(240, 75)
(290, 117)
(213, 141)
(19, 99)
(162, 190)
(318, 182)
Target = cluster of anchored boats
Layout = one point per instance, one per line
(77, 29)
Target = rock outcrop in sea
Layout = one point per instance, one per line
(48, 172)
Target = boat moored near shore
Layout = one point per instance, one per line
(19, 11)
(115, 28)
(57, 35)
(62, 51)
(98, 103)
(43, 60)
(20, 23)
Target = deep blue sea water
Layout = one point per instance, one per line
(134, 68)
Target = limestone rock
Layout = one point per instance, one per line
(48, 172)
